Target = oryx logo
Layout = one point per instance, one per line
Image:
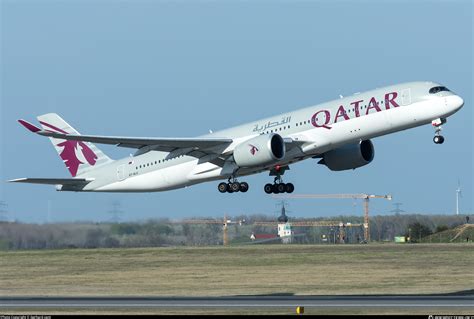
(70, 155)
(253, 149)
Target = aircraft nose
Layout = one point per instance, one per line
(456, 102)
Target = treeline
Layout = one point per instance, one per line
(153, 233)
(385, 228)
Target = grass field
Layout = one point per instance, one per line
(241, 270)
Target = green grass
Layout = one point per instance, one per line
(239, 270)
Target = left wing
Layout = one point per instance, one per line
(205, 148)
(179, 146)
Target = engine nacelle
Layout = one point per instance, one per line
(260, 151)
(349, 156)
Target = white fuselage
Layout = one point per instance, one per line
(322, 128)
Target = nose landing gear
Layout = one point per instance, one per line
(438, 138)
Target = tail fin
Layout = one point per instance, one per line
(79, 157)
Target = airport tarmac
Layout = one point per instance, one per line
(405, 301)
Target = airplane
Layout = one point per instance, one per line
(338, 133)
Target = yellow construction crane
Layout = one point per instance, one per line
(365, 197)
(224, 224)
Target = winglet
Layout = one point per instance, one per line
(29, 126)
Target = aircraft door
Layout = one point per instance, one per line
(121, 172)
(406, 97)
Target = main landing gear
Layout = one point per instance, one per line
(233, 186)
(438, 138)
(278, 186)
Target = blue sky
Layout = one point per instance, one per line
(178, 69)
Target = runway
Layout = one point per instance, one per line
(405, 301)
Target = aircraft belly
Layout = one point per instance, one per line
(171, 177)
(204, 171)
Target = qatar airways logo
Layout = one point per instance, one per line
(253, 149)
(324, 118)
(73, 153)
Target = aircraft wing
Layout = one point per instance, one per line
(158, 144)
(206, 148)
(180, 145)
(54, 181)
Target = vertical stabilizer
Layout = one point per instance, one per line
(79, 157)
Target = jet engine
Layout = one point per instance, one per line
(260, 151)
(349, 156)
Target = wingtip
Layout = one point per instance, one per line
(16, 180)
(30, 127)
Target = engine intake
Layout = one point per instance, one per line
(349, 156)
(260, 151)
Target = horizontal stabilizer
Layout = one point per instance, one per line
(54, 181)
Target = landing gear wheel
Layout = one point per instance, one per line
(438, 139)
(268, 188)
(281, 187)
(244, 187)
(289, 188)
(235, 186)
(222, 187)
(275, 189)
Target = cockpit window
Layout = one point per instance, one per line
(437, 89)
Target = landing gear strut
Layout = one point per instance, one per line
(438, 138)
(233, 186)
